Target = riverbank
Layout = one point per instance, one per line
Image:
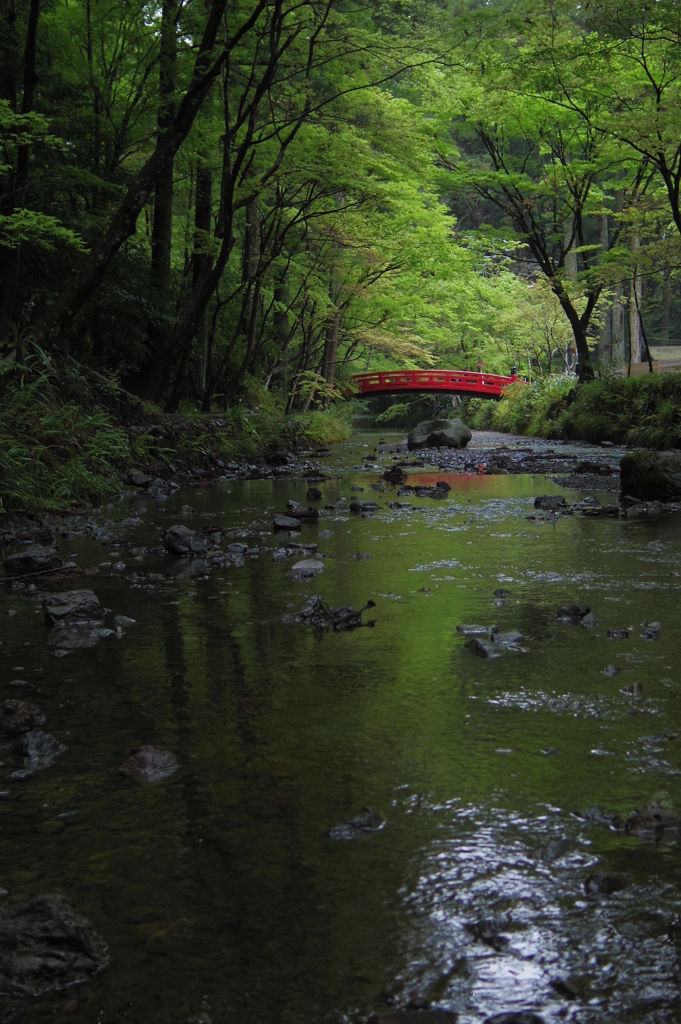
(69, 438)
(637, 411)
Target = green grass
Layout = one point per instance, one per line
(642, 411)
(64, 437)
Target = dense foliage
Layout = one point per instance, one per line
(640, 411)
(198, 196)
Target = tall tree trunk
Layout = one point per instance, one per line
(201, 262)
(570, 254)
(618, 333)
(605, 341)
(124, 222)
(636, 294)
(162, 233)
(666, 306)
(16, 195)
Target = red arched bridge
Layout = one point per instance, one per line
(456, 382)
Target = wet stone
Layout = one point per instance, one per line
(280, 522)
(40, 750)
(306, 569)
(483, 648)
(146, 764)
(618, 634)
(572, 614)
(590, 620)
(364, 822)
(72, 606)
(46, 948)
(603, 883)
(363, 506)
(34, 558)
(653, 821)
(651, 630)
(17, 717)
(186, 543)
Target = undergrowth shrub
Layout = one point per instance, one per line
(641, 411)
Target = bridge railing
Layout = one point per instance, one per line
(432, 380)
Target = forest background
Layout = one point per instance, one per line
(234, 206)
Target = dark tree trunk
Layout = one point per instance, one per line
(162, 233)
(124, 222)
(201, 263)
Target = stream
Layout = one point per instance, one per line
(225, 892)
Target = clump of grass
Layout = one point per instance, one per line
(53, 452)
(642, 411)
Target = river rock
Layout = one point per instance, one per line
(339, 620)
(17, 717)
(550, 502)
(34, 558)
(651, 476)
(45, 948)
(299, 512)
(366, 821)
(653, 821)
(395, 476)
(138, 479)
(306, 569)
(280, 522)
(72, 606)
(313, 494)
(590, 620)
(39, 749)
(509, 639)
(439, 434)
(603, 883)
(121, 621)
(363, 506)
(181, 541)
(147, 764)
(651, 630)
(483, 648)
(572, 614)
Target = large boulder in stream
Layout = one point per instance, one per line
(45, 948)
(439, 434)
(652, 476)
(184, 542)
(72, 606)
(34, 558)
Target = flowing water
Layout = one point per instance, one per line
(220, 892)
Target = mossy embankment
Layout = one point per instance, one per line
(640, 411)
(66, 435)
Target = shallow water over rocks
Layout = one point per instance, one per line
(499, 881)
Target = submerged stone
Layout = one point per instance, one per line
(45, 948)
(366, 821)
(147, 764)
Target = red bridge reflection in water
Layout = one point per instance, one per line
(456, 382)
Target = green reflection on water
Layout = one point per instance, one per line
(219, 891)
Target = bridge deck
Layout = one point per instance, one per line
(490, 385)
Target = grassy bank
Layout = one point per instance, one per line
(643, 411)
(65, 437)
